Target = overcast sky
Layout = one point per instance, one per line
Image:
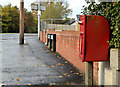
(75, 5)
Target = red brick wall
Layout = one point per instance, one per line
(67, 45)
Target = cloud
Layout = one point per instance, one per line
(76, 6)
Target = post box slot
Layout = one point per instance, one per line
(81, 32)
(80, 22)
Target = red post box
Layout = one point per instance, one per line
(94, 37)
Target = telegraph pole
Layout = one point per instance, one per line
(39, 14)
(21, 22)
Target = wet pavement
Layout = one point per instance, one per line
(33, 64)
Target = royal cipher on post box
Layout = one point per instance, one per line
(94, 38)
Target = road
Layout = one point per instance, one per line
(33, 64)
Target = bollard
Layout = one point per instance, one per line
(54, 42)
(50, 42)
(48, 37)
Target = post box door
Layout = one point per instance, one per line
(97, 37)
(82, 37)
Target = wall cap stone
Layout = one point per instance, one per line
(114, 58)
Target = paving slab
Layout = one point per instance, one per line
(32, 63)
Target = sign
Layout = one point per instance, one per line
(34, 6)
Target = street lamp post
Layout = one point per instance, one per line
(39, 15)
(38, 7)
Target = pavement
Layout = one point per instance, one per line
(33, 64)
